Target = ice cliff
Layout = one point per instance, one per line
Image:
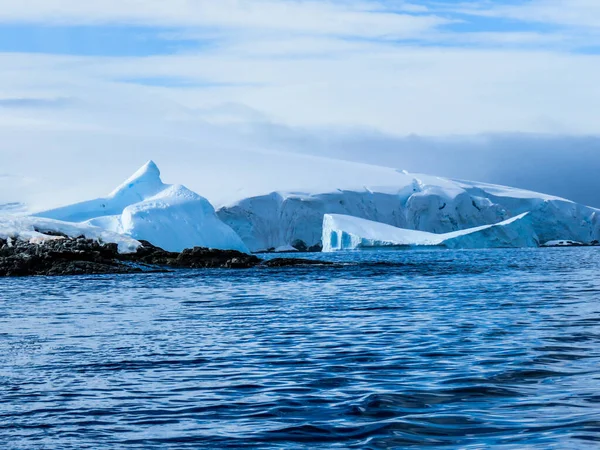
(412, 202)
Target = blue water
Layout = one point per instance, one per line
(447, 349)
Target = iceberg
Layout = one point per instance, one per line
(174, 217)
(341, 232)
(408, 201)
(144, 208)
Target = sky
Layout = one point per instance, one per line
(497, 91)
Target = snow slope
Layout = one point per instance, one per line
(169, 216)
(342, 232)
(408, 201)
(32, 229)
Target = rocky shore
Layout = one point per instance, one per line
(78, 256)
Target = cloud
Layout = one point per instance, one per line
(396, 90)
(400, 90)
(35, 102)
(482, 90)
(352, 18)
(562, 165)
(578, 13)
(226, 160)
(542, 22)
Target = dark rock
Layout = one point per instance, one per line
(317, 248)
(151, 254)
(75, 256)
(301, 246)
(199, 257)
(293, 262)
(51, 233)
(61, 257)
(88, 268)
(148, 248)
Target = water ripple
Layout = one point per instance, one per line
(441, 349)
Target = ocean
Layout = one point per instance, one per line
(436, 348)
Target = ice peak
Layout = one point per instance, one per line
(147, 171)
(146, 178)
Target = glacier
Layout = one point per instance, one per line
(408, 201)
(174, 217)
(144, 208)
(342, 232)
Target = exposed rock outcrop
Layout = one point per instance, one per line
(79, 256)
(61, 257)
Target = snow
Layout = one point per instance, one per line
(285, 249)
(341, 232)
(505, 191)
(408, 201)
(561, 243)
(143, 207)
(32, 229)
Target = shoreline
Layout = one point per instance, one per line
(80, 256)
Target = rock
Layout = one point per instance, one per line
(76, 256)
(199, 257)
(317, 248)
(61, 257)
(51, 233)
(294, 262)
(301, 246)
(150, 254)
(88, 268)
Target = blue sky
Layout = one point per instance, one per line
(286, 75)
(89, 40)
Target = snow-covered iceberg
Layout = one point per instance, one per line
(174, 217)
(408, 201)
(143, 207)
(342, 232)
(37, 230)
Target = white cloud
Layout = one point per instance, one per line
(348, 18)
(578, 13)
(276, 65)
(327, 82)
